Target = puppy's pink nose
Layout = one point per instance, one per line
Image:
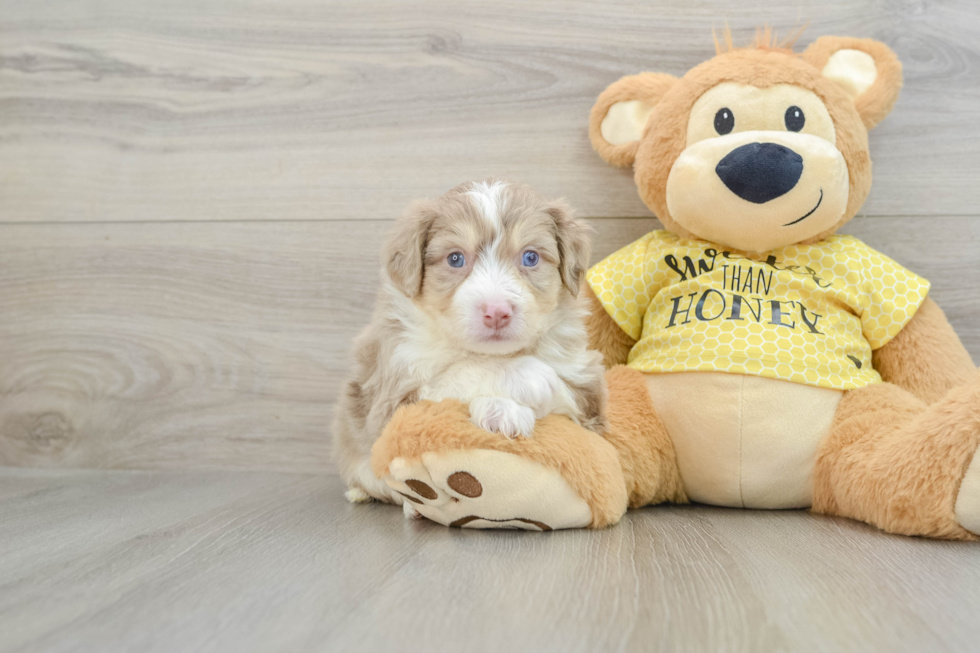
(496, 316)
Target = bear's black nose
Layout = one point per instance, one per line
(759, 172)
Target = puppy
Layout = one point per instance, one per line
(478, 302)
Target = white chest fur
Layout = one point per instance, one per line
(526, 380)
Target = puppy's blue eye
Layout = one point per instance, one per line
(530, 259)
(456, 260)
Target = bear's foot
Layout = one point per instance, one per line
(968, 498)
(488, 489)
(457, 474)
(904, 466)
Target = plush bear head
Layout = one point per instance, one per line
(757, 148)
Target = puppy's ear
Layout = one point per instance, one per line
(404, 251)
(574, 245)
(866, 69)
(620, 114)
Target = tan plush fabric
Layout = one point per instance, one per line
(648, 89)
(589, 464)
(895, 462)
(605, 336)
(665, 136)
(821, 193)
(877, 101)
(645, 448)
(853, 69)
(635, 463)
(736, 443)
(967, 508)
(481, 488)
(926, 358)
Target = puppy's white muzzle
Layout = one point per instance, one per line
(488, 309)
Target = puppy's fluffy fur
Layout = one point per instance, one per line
(465, 312)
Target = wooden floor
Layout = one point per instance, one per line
(192, 199)
(242, 561)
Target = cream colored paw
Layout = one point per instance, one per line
(503, 416)
(488, 489)
(409, 511)
(357, 495)
(968, 500)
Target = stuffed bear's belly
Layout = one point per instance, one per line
(744, 441)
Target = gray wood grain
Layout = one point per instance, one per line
(228, 110)
(225, 561)
(222, 345)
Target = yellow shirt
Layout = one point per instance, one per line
(810, 314)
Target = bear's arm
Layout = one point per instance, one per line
(605, 336)
(926, 358)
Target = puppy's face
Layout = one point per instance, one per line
(489, 262)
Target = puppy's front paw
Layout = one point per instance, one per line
(502, 415)
(357, 495)
(410, 511)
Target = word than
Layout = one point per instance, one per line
(687, 268)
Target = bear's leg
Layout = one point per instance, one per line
(455, 473)
(564, 476)
(645, 449)
(892, 461)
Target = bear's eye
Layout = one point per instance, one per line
(724, 121)
(794, 119)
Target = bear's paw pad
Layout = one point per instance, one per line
(488, 489)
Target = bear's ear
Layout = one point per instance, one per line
(620, 115)
(867, 70)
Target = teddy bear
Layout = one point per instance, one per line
(755, 357)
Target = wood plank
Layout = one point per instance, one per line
(226, 110)
(163, 561)
(222, 345)
(136, 345)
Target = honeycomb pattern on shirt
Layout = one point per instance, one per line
(808, 314)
